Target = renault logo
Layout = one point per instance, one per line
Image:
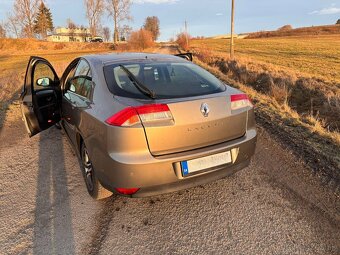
(205, 109)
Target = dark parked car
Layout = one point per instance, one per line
(97, 39)
(142, 124)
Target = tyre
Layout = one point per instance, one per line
(94, 187)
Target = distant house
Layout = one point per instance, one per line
(63, 34)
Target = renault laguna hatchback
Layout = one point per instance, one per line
(142, 124)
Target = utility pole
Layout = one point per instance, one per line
(232, 29)
(186, 34)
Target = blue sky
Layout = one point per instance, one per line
(205, 17)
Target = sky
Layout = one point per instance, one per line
(205, 18)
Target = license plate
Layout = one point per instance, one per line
(195, 165)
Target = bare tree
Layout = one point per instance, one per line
(152, 24)
(124, 32)
(12, 26)
(24, 12)
(119, 10)
(107, 34)
(2, 31)
(72, 27)
(94, 12)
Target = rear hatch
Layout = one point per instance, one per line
(197, 123)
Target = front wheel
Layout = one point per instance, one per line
(95, 189)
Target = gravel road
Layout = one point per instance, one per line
(275, 206)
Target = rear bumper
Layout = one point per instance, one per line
(158, 175)
(191, 182)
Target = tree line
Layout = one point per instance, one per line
(33, 19)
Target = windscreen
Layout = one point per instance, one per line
(165, 79)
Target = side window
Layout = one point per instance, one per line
(77, 83)
(44, 72)
(69, 77)
(83, 69)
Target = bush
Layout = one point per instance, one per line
(183, 41)
(59, 46)
(141, 39)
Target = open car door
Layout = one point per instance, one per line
(40, 97)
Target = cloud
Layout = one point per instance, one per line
(326, 11)
(155, 1)
(219, 14)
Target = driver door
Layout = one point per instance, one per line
(40, 97)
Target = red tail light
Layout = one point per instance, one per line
(145, 114)
(240, 101)
(126, 117)
(127, 191)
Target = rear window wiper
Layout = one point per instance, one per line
(139, 85)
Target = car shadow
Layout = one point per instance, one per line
(53, 232)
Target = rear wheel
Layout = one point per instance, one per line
(95, 189)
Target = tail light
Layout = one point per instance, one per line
(127, 191)
(145, 114)
(240, 101)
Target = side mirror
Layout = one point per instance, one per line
(44, 82)
(186, 56)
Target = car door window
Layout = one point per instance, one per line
(83, 68)
(42, 70)
(78, 86)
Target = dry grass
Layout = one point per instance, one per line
(14, 46)
(305, 56)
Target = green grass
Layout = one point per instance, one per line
(311, 56)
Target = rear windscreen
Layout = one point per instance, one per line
(165, 79)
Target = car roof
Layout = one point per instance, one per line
(111, 58)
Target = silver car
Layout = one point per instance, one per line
(142, 124)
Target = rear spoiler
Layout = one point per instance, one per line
(187, 56)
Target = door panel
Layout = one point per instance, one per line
(39, 101)
(76, 97)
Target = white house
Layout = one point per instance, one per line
(63, 34)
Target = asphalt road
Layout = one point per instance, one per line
(275, 206)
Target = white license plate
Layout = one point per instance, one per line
(195, 165)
